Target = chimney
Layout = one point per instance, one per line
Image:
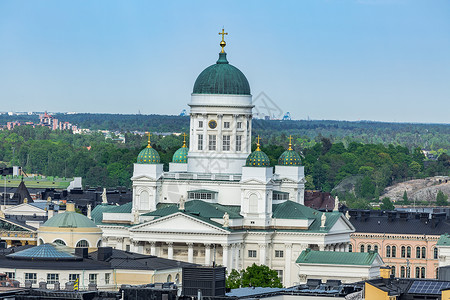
(82, 252)
(103, 253)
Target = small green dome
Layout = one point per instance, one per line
(222, 78)
(69, 219)
(257, 159)
(290, 158)
(180, 156)
(148, 156)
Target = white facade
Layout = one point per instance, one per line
(265, 220)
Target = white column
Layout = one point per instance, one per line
(205, 135)
(170, 250)
(287, 265)
(321, 247)
(225, 248)
(190, 252)
(119, 244)
(219, 133)
(207, 254)
(233, 256)
(233, 135)
(346, 247)
(262, 254)
(152, 248)
(193, 136)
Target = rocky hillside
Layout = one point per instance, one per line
(419, 189)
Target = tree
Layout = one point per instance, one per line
(405, 198)
(254, 276)
(387, 204)
(441, 199)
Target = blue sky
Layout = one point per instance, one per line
(386, 60)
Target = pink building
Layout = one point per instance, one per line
(405, 241)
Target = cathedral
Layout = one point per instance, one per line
(220, 203)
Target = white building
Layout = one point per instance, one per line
(219, 201)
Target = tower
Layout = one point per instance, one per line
(221, 119)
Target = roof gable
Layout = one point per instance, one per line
(24, 207)
(180, 223)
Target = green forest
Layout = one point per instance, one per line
(328, 160)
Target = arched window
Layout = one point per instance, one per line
(417, 272)
(435, 253)
(41, 242)
(422, 272)
(408, 252)
(369, 247)
(394, 251)
(417, 252)
(169, 278)
(402, 272)
(375, 248)
(361, 248)
(388, 251)
(424, 252)
(350, 248)
(393, 270)
(59, 242)
(403, 249)
(99, 243)
(82, 244)
(177, 279)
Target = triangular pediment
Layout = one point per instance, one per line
(179, 223)
(24, 207)
(255, 181)
(342, 225)
(143, 178)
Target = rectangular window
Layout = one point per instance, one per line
(73, 277)
(280, 275)
(279, 253)
(32, 277)
(226, 125)
(200, 124)
(239, 143)
(200, 142)
(107, 277)
(52, 278)
(251, 253)
(212, 142)
(127, 248)
(93, 278)
(239, 125)
(11, 275)
(226, 142)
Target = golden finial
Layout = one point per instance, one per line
(149, 135)
(290, 142)
(184, 141)
(257, 143)
(222, 43)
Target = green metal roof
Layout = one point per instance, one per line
(69, 219)
(199, 208)
(257, 159)
(444, 240)
(97, 212)
(222, 78)
(289, 158)
(309, 256)
(148, 155)
(180, 156)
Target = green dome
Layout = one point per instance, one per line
(148, 156)
(257, 159)
(289, 158)
(69, 219)
(222, 78)
(180, 156)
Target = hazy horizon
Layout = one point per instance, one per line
(362, 60)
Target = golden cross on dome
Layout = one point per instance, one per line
(222, 43)
(149, 135)
(257, 143)
(290, 142)
(184, 141)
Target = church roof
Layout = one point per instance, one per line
(444, 240)
(97, 212)
(222, 78)
(180, 156)
(289, 158)
(199, 208)
(309, 256)
(148, 155)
